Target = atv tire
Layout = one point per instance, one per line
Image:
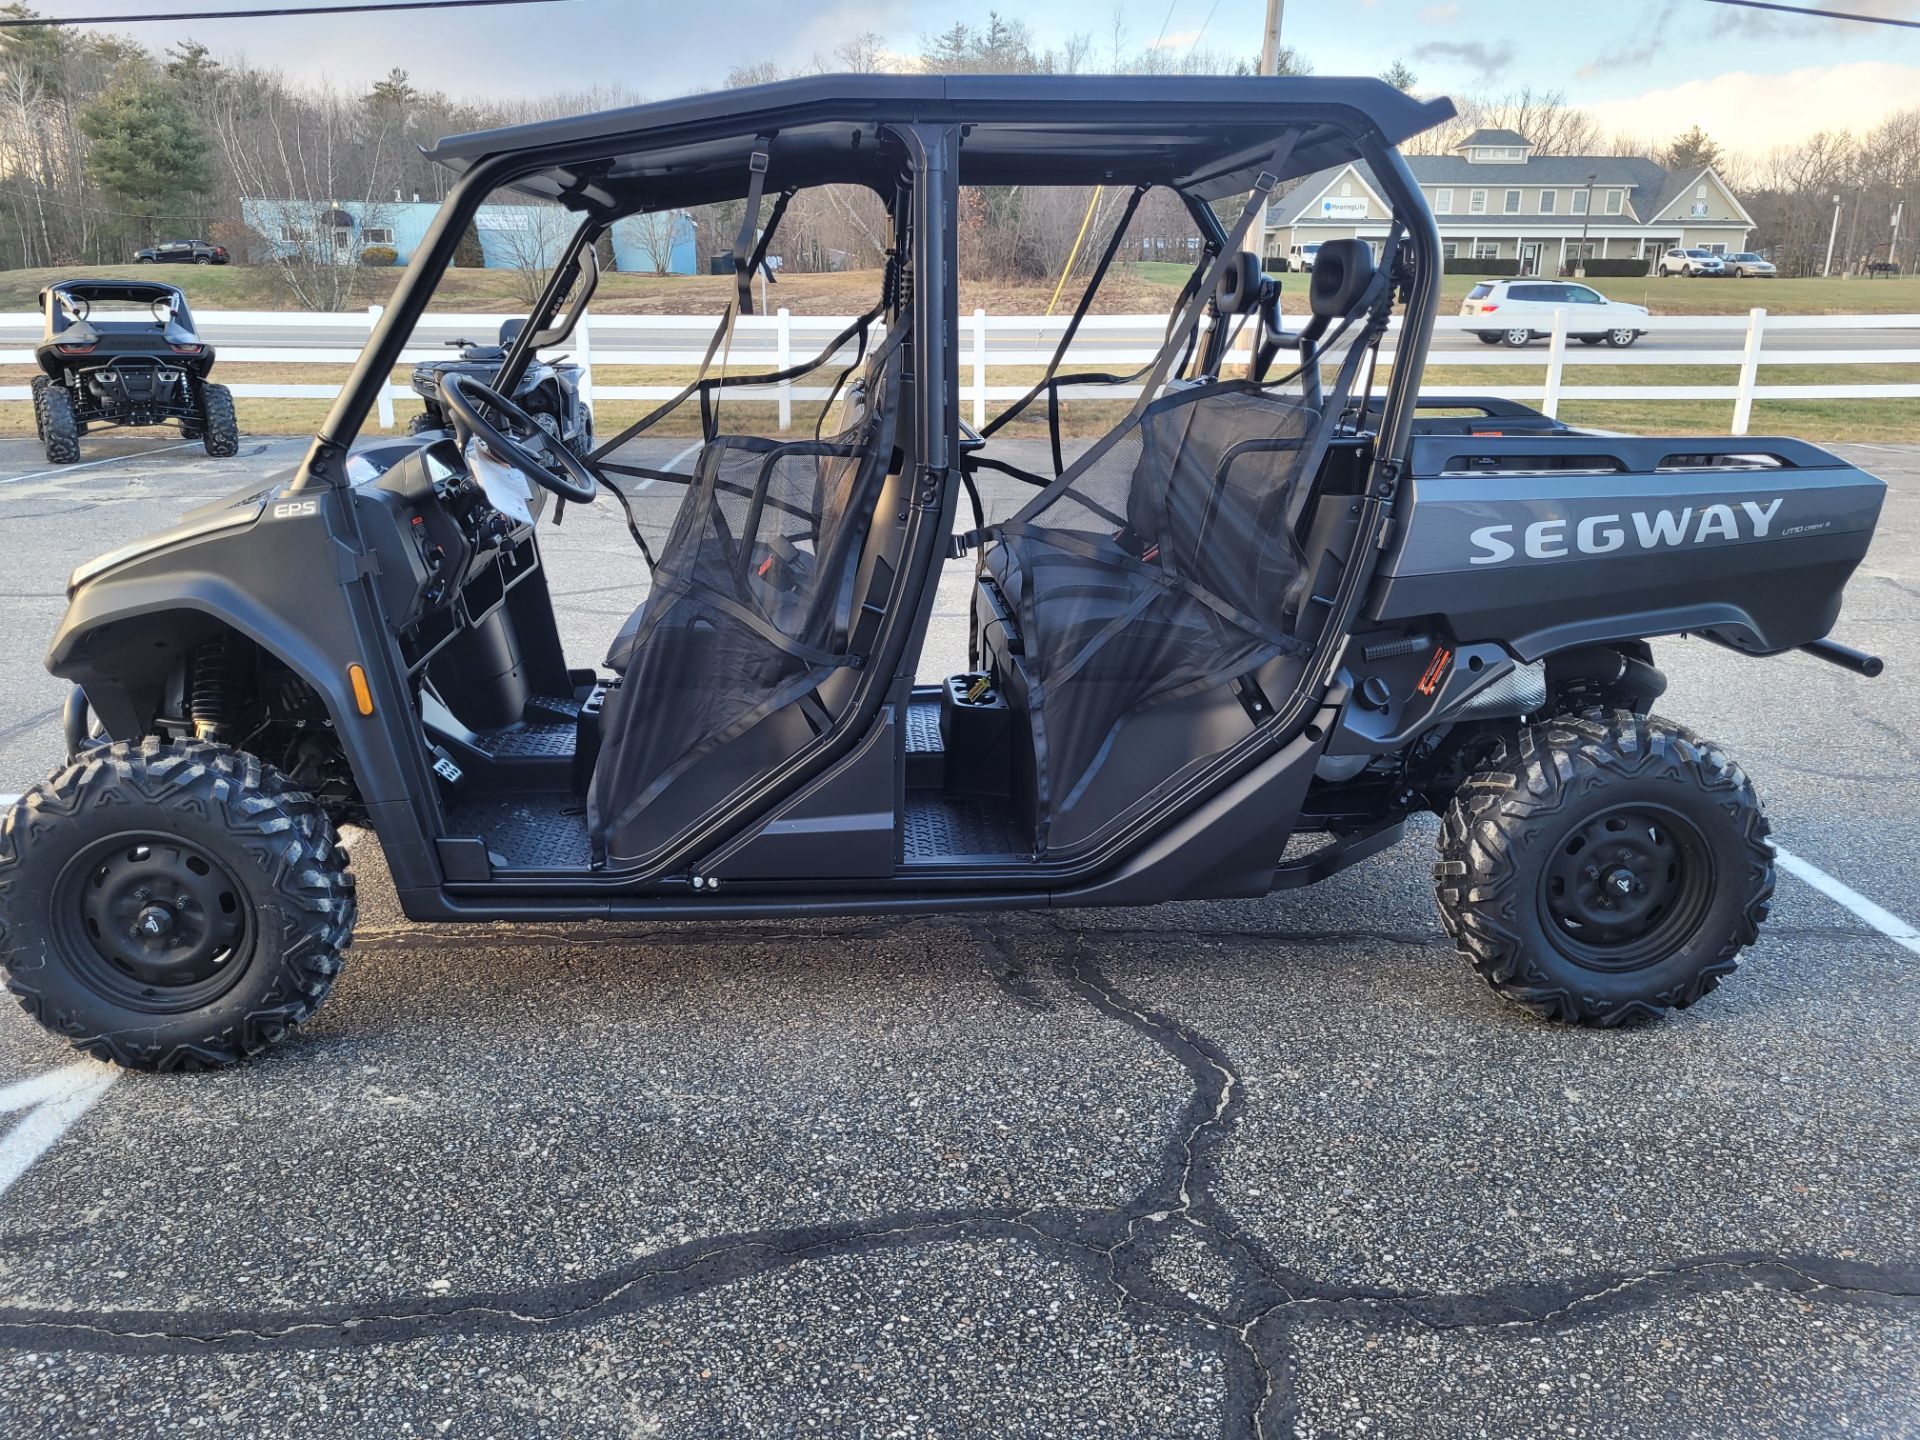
(59, 431)
(220, 429)
(1613, 867)
(38, 388)
(171, 907)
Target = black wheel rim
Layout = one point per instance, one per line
(1627, 886)
(152, 922)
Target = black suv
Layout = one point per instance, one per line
(182, 252)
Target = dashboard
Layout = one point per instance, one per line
(449, 541)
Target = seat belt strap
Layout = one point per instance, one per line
(743, 245)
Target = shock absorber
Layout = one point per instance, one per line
(214, 687)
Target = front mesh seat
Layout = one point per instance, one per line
(749, 612)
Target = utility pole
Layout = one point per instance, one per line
(1853, 229)
(1833, 234)
(1893, 245)
(1269, 65)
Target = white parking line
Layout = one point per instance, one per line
(53, 1102)
(89, 464)
(1885, 921)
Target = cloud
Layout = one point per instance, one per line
(1179, 41)
(1754, 114)
(1649, 36)
(1488, 63)
(1443, 14)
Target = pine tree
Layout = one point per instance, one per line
(147, 151)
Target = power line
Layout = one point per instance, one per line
(276, 12)
(1822, 14)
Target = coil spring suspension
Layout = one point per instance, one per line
(214, 688)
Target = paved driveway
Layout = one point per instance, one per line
(1278, 1167)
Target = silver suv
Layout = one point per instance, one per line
(1690, 262)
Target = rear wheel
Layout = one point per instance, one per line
(203, 259)
(1613, 866)
(171, 907)
(1590, 339)
(59, 431)
(1516, 338)
(220, 428)
(1621, 339)
(1489, 337)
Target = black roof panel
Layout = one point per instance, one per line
(1207, 134)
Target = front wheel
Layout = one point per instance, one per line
(1613, 866)
(1621, 339)
(220, 427)
(171, 907)
(203, 259)
(1590, 339)
(1516, 338)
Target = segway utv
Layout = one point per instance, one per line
(1227, 638)
(124, 352)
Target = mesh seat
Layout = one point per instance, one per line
(1161, 567)
(750, 607)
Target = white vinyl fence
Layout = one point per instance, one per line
(1750, 342)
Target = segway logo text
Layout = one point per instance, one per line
(1645, 529)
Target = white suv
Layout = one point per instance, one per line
(1691, 262)
(1516, 311)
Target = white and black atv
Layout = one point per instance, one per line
(549, 391)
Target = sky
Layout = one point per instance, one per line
(1649, 68)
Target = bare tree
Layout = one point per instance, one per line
(299, 154)
(653, 234)
(531, 238)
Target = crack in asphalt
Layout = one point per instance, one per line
(1252, 1329)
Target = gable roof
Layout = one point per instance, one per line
(1290, 206)
(1494, 137)
(1650, 189)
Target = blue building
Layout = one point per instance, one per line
(511, 236)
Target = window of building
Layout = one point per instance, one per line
(1443, 202)
(1486, 249)
(1477, 202)
(1449, 249)
(377, 234)
(1547, 201)
(1614, 201)
(1346, 189)
(1513, 202)
(290, 233)
(1579, 205)
(1578, 250)
(1698, 209)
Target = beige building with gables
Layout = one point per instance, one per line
(1493, 198)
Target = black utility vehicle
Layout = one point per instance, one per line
(124, 352)
(182, 252)
(1269, 608)
(549, 391)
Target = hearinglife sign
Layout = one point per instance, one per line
(1344, 209)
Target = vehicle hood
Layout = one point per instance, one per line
(243, 507)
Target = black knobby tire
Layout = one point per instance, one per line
(264, 911)
(59, 430)
(38, 389)
(220, 431)
(1694, 853)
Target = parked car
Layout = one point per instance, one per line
(182, 252)
(1749, 266)
(1301, 258)
(1515, 311)
(1695, 262)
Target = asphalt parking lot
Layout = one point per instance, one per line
(1281, 1167)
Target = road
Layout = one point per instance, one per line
(1279, 1168)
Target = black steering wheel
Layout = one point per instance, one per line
(550, 464)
